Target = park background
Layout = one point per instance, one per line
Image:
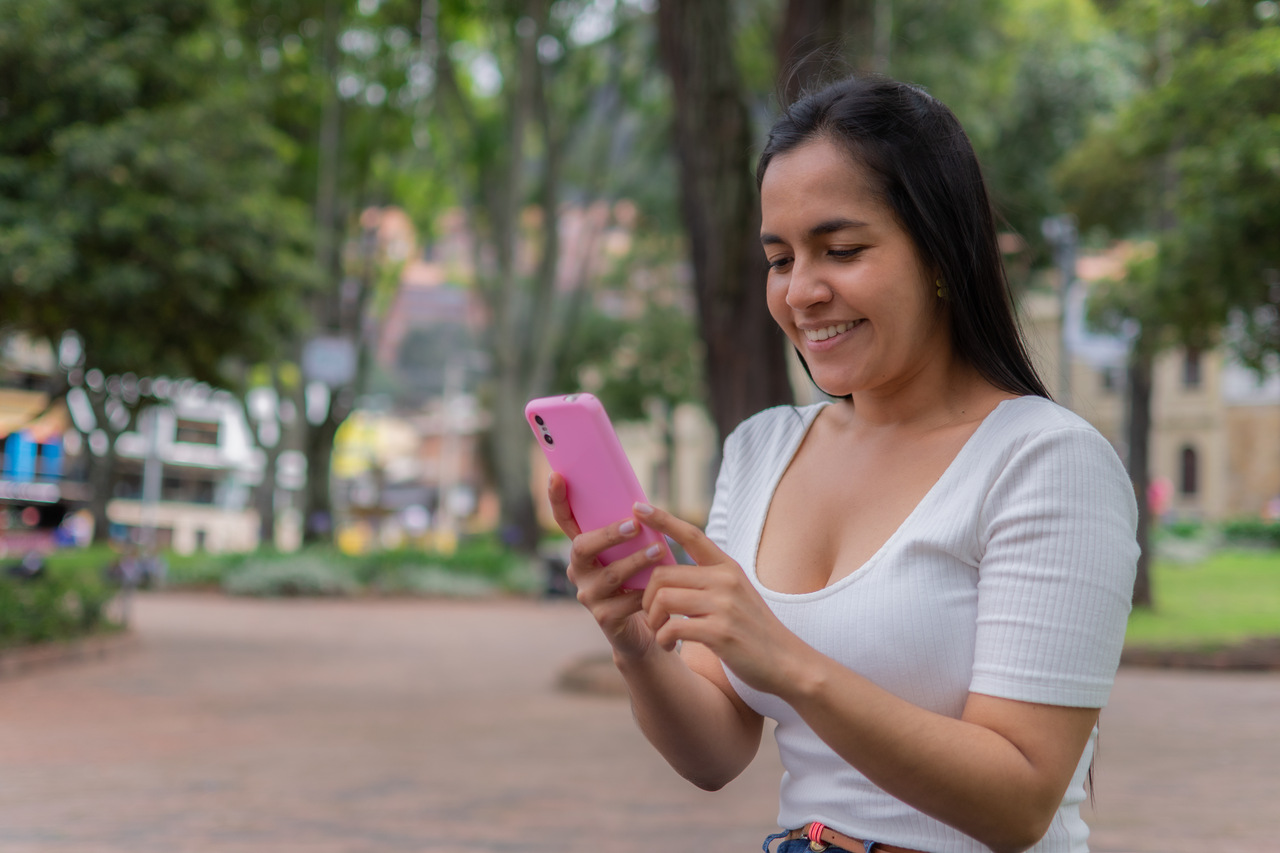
(278, 276)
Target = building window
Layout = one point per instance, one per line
(1189, 471)
(1191, 368)
(197, 432)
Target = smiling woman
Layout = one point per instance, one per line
(925, 584)
(849, 290)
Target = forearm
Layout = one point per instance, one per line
(959, 771)
(689, 719)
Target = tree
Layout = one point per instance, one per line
(142, 214)
(141, 206)
(1191, 164)
(342, 80)
(714, 137)
(526, 118)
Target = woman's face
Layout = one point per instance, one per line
(846, 283)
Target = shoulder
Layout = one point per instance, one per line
(771, 429)
(776, 424)
(1037, 447)
(1037, 421)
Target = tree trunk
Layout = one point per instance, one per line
(745, 354)
(1138, 435)
(512, 445)
(264, 497)
(102, 479)
(318, 518)
(821, 40)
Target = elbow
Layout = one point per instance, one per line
(708, 780)
(1018, 835)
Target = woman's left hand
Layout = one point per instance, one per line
(724, 611)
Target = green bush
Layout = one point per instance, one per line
(202, 569)
(1184, 529)
(1254, 532)
(479, 566)
(68, 600)
(301, 574)
(431, 581)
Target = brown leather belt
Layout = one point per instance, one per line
(828, 837)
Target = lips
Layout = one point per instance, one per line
(822, 334)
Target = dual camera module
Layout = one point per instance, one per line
(542, 427)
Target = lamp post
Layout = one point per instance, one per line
(1060, 231)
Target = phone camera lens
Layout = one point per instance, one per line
(548, 439)
(538, 419)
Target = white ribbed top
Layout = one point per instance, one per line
(1012, 578)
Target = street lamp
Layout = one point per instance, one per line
(1060, 231)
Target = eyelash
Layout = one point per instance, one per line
(838, 254)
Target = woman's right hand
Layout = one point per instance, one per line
(616, 610)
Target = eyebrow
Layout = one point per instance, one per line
(828, 227)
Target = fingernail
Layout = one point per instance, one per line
(627, 527)
(653, 551)
(643, 509)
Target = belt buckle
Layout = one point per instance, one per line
(818, 846)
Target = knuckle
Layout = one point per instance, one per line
(580, 552)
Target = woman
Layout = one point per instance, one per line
(926, 582)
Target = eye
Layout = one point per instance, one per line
(844, 254)
(779, 263)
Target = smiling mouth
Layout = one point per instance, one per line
(816, 335)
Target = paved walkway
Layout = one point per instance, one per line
(243, 726)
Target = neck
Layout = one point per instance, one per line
(933, 397)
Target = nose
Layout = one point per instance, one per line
(806, 287)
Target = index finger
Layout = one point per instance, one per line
(695, 543)
(558, 493)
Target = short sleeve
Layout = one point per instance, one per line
(1056, 574)
(718, 516)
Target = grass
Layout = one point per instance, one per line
(1230, 596)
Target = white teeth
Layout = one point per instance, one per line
(828, 332)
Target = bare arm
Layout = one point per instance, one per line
(682, 702)
(997, 774)
(687, 709)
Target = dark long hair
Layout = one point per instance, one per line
(922, 165)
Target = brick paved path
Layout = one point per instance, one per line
(245, 726)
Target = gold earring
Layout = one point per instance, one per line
(942, 289)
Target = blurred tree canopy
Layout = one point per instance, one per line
(1188, 168)
(336, 78)
(182, 183)
(1192, 163)
(140, 202)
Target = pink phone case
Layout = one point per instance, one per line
(579, 442)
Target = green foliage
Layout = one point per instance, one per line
(1184, 529)
(139, 189)
(1026, 79)
(628, 362)
(1193, 161)
(67, 601)
(307, 574)
(202, 570)
(1255, 532)
(431, 581)
(1229, 597)
(479, 566)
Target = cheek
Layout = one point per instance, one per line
(776, 299)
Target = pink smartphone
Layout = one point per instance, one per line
(579, 442)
